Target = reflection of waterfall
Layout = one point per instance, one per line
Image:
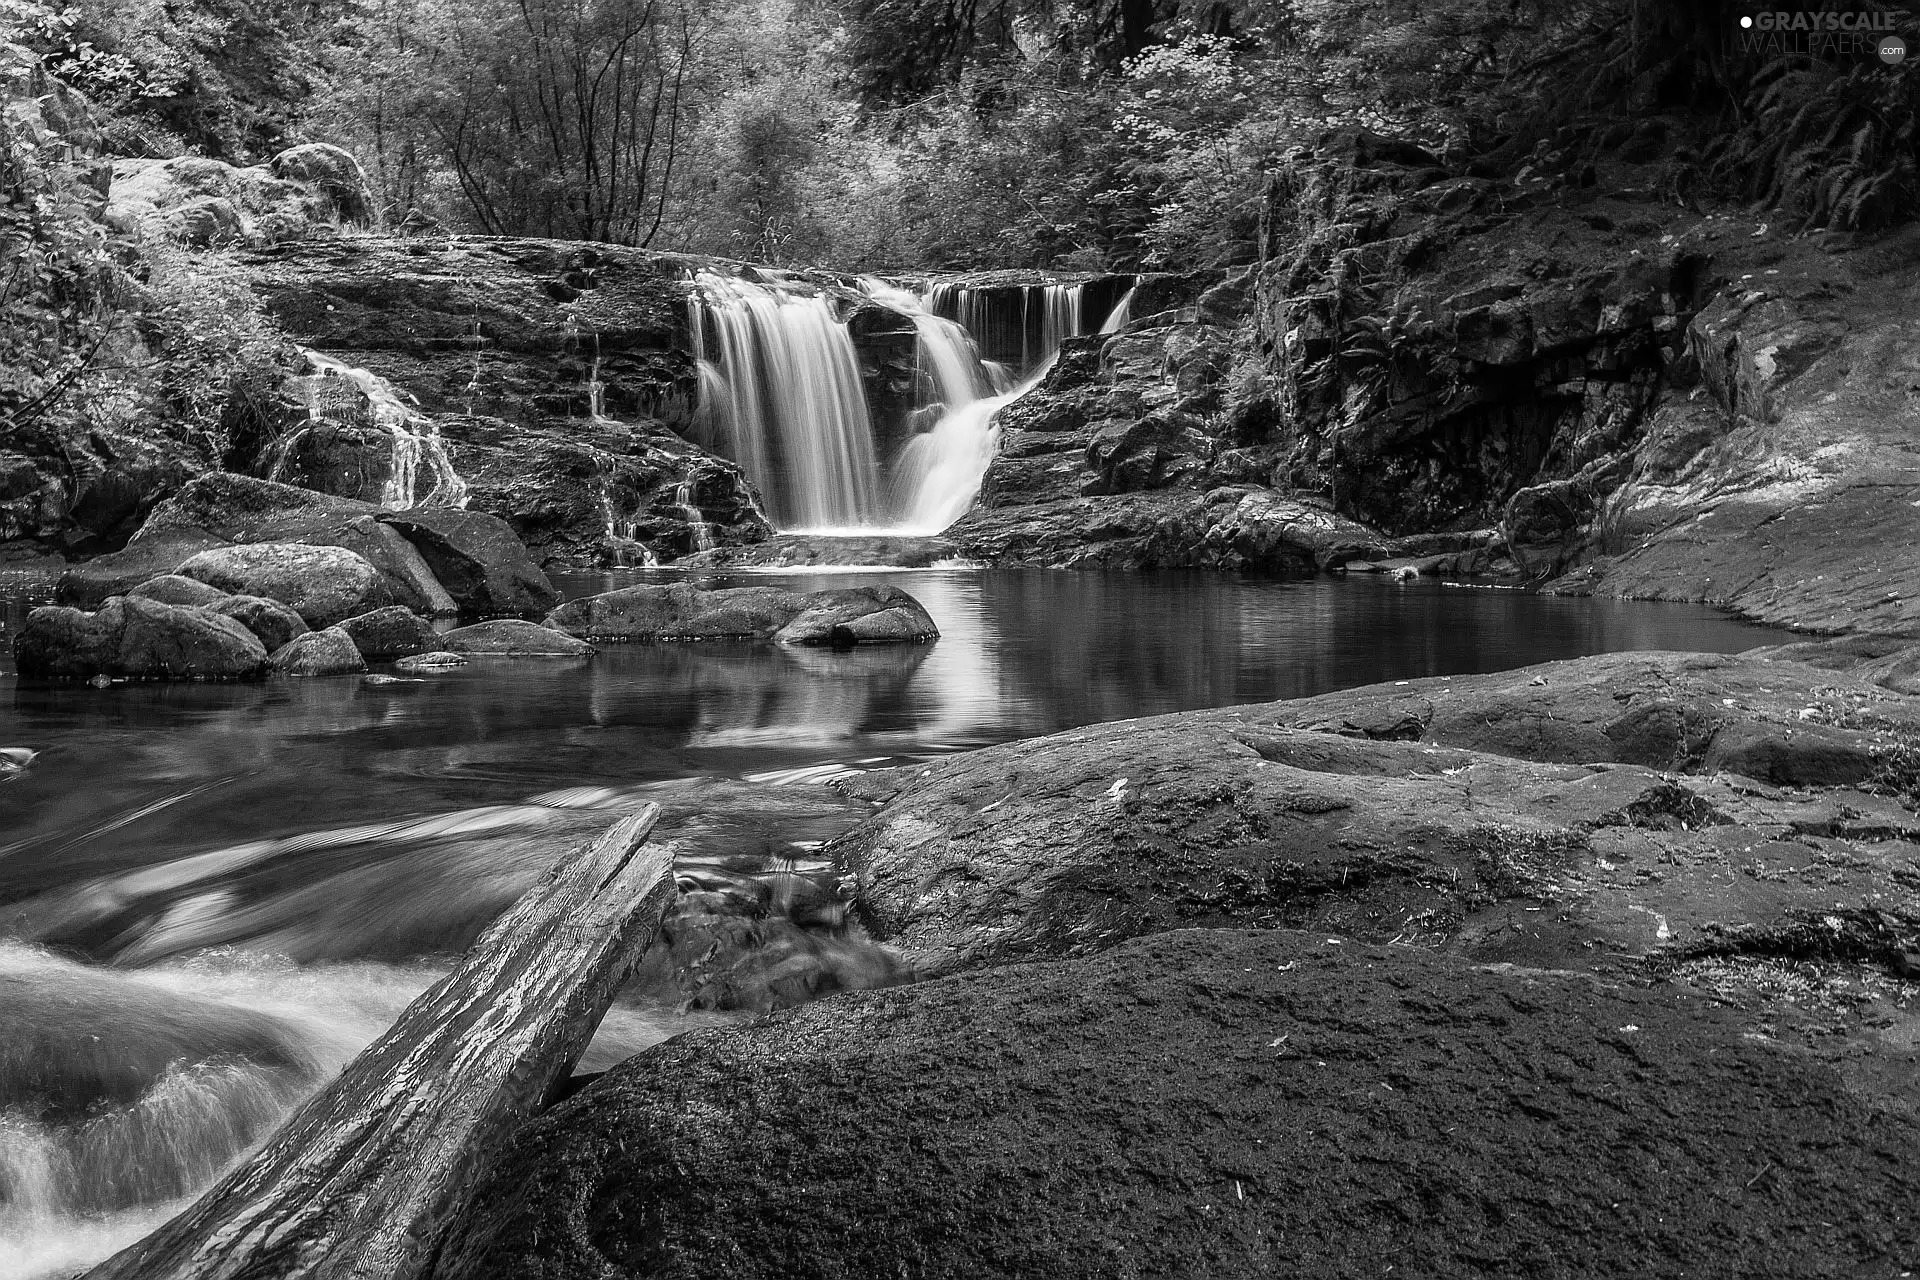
(783, 398)
(416, 437)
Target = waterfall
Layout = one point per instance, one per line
(687, 500)
(783, 398)
(1122, 313)
(416, 437)
(1059, 319)
(937, 473)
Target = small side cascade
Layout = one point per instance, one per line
(1122, 313)
(417, 444)
(685, 497)
(781, 395)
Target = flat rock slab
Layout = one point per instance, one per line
(681, 611)
(513, 637)
(1539, 816)
(1218, 1103)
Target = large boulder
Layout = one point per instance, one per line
(330, 652)
(1216, 1103)
(681, 611)
(272, 622)
(513, 637)
(393, 632)
(478, 558)
(324, 585)
(136, 638)
(228, 508)
(386, 549)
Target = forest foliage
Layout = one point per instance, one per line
(877, 134)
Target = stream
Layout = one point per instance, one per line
(213, 895)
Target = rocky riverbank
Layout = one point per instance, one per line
(1600, 967)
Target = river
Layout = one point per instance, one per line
(213, 895)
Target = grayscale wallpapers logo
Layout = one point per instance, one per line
(1825, 34)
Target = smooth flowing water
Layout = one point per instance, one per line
(256, 878)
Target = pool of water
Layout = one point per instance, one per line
(307, 851)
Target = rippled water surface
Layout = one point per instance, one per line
(289, 862)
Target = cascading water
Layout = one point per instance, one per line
(416, 437)
(782, 397)
(1122, 313)
(938, 471)
(1059, 319)
(780, 394)
(697, 522)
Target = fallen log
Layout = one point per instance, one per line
(364, 1179)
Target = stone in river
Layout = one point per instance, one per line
(439, 660)
(136, 638)
(393, 632)
(271, 621)
(860, 615)
(514, 637)
(330, 652)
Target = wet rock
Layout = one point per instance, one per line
(678, 611)
(383, 547)
(1420, 811)
(1265, 532)
(136, 638)
(1234, 527)
(859, 615)
(226, 508)
(393, 632)
(328, 652)
(274, 623)
(478, 558)
(1785, 487)
(324, 585)
(171, 588)
(790, 550)
(1228, 1103)
(89, 585)
(438, 660)
(513, 637)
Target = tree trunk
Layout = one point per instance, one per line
(364, 1179)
